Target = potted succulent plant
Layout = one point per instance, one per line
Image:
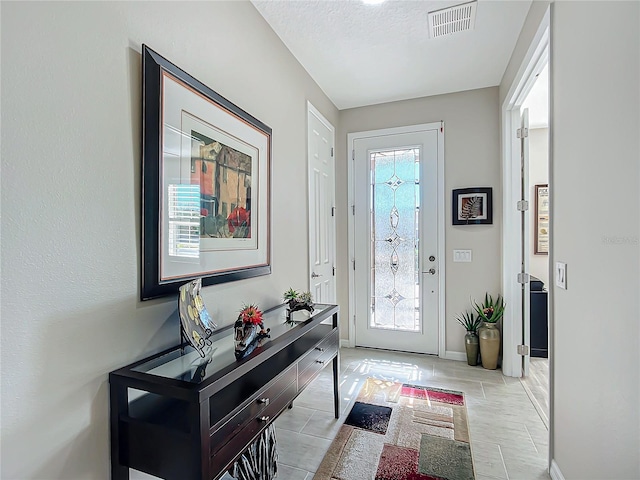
(490, 311)
(471, 344)
(298, 301)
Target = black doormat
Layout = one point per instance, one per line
(369, 417)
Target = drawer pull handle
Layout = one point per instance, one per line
(264, 400)
(320, 362)
(264, 418)
(320, 349)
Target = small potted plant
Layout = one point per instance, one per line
(471, 323)
(490, 312)
(298, 301)
(249, 330)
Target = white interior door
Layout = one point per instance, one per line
(320, 139)
(523, 135)
(396, 254)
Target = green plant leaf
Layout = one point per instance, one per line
(496, 304)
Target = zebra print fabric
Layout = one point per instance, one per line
(260, 460)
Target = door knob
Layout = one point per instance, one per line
(431, 271)
(315, 275)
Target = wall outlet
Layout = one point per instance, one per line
(462, 255)
(561, 275)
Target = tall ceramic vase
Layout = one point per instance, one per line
(471, 345)
(489, 336)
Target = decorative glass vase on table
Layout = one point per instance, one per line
(471, 343)
(490, 312)
(249, 331)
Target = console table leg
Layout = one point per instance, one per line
(119, 406)
(336, 385)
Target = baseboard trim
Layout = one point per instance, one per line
(554, 471)
(458, 356)
(344, 343)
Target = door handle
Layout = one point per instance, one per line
(315, 275)
(431, 271)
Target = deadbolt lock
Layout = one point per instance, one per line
(432, 258)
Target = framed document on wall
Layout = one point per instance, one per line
(541, 227)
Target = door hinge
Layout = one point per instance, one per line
(522, 132)
(523, 278)
(333, 211)
(332, 151)
(334, 271)
(354, 319)
(523, 350)
(354, 263)
(523, 205)
(353, 209)
(353, 154)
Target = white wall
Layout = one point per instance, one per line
(471, 159)
(595, 210)
(538, 175)
(71, 105)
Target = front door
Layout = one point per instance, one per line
(397, 264)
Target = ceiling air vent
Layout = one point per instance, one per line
(452, 20)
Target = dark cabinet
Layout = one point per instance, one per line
(175, 416)
(539, 320)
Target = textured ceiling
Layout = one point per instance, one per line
(367, 54)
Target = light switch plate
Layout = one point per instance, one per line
(561, 275)
(462, 255)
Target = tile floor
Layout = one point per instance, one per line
(537, 386)
(508, 438)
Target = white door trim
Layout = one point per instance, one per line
(534, 61)
(311, 110)
(351, 137)
(540, 51)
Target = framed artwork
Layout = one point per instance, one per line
(472, 206)
(205, 184)
(541, 219)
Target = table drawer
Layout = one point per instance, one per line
(238, 444)
(329, 343)
(317, 359)
(254, 409)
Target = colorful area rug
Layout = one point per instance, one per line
(398, 431)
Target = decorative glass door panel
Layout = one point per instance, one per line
(395, 271)
(396, 259)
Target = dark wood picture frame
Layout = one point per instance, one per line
(541, 220)
(169, 94)
(472, 206)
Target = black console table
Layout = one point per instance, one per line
(176, 417)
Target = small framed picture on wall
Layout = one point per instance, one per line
(541, 219)
(472, 206)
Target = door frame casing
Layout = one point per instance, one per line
(536, 58)
(351, 137)
(540, 51)
(312, 110)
